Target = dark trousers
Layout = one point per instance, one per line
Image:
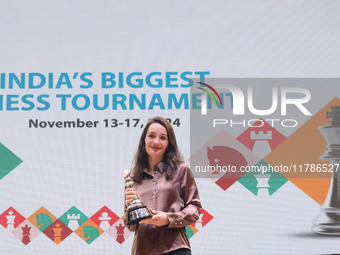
(182, 251)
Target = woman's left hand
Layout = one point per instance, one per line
(159, 218)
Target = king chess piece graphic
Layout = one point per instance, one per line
(10, 220)
(328, 222)
(57, 233)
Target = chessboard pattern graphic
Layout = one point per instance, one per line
(74, 221)
(264, 146)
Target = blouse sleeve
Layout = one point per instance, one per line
(192, 205)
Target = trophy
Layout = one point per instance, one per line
(136, 210)
(328, 222)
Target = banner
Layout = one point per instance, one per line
(251, 90)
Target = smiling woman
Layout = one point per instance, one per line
(165, 185)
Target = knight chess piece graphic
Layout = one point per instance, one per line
(136, 210)
(328, 222)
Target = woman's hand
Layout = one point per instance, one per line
(130, 195)
(158, 219)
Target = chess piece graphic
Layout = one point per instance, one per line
(262, 183)
(199, 222)
(43, 220)
(224, 156)
(120, 233)
(136, 210)
(10, 220)
(104, 221)
(26, 234)
(57, 233)
(90, 233)
(328, 222)
(73, 223)
(261, 146)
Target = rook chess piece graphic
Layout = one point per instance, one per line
(73, 223)
(328, 222)
(261, 146)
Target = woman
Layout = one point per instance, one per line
(165, 185)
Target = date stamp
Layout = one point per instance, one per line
(105, 123)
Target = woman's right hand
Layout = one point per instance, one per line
(130, 195)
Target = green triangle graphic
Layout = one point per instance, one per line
(8, 161)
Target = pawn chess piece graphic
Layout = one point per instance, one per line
(104, 221)
(328, 222)
(10, 220)
(136, 210)
(26, 234)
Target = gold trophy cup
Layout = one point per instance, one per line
(136, 210)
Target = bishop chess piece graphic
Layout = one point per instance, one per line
(10, 220)
(136, 210)
(328, 222)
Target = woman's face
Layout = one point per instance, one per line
(156, 141)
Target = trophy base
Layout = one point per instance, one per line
(135, 215)
(328, 222)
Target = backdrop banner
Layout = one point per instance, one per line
(251, 89)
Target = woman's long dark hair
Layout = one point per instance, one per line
(172, 156)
